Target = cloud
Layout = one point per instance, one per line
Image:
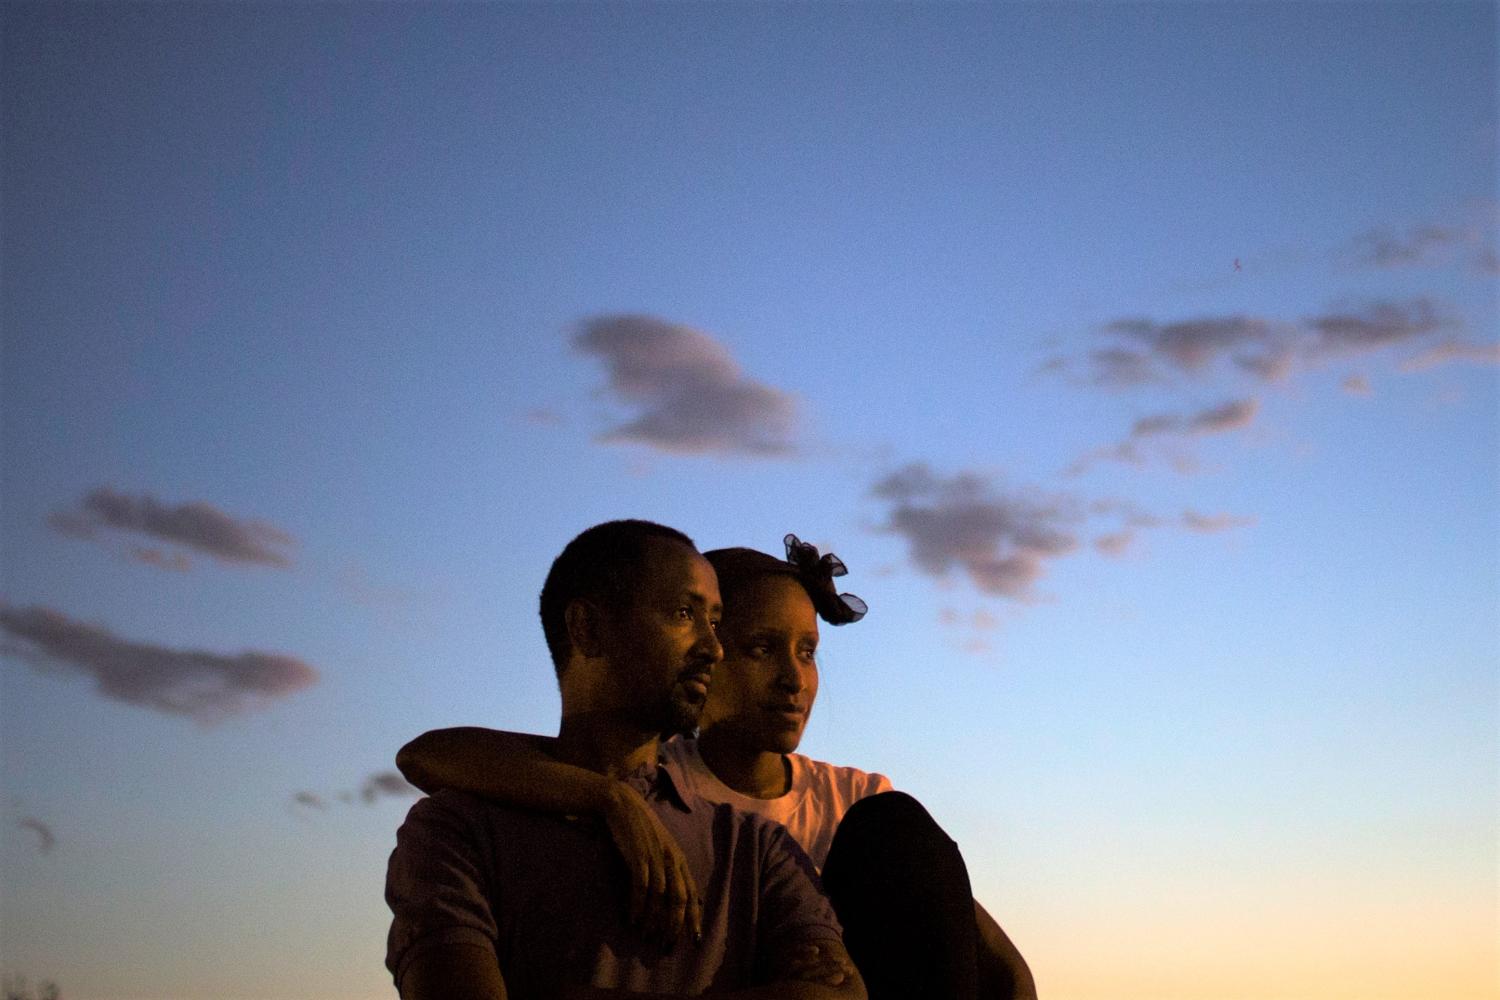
(1215, 420)
(1421, 244)
(1429, 244)
(1192, 346)
(175, 561)
(1001, 543)
(1264, 350)
(206, 686)
(1115, 543)
(1450, 351)
(981, 619)
(1221, 419)
(1209, 523)
(388, 784)
(1118, 367)
(1356, 385)
(381, 784)
(46, 840)
(1378, 325)
(196, 525)
(690, 395)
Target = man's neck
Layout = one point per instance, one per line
(760, 774)
(604, 743)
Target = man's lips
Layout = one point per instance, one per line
(790, 712)
(697, 682)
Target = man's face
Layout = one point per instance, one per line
(662, 649)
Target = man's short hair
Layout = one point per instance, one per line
(604, 564)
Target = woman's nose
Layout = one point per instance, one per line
(789, 677)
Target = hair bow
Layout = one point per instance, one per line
(817, 575)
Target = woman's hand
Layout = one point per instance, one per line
(664, 899)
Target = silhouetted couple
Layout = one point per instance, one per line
(605, 862)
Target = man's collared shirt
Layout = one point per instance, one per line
(548, 893)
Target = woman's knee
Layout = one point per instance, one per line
(894, 829)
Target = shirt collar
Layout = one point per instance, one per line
(664, 781)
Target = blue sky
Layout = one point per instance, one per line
(1140, 361)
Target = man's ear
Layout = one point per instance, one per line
(585, 621)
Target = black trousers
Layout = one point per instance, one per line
(901, 890)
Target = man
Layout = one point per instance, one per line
(492, 902)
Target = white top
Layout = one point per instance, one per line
(811, 810)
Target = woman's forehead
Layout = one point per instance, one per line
(771, 600)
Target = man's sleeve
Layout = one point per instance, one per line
(436, 883)
(793, 910)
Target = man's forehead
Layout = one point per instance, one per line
(671, 564)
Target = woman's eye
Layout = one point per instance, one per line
(713, 623)
(759, 651)
(685, 614)
(808, 654)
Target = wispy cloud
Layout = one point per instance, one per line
(199, 526)
(46, 839)
(1430, 243)
(1226, 417)
(1148, 352)
(387, 784)
(1116, 543)
(205, 686)
(689, 393)
(1208, 523)
(377, 786)
(1451, 351)
(1356, 385)
(1192, 346)
(1000, 542)
(1376, 326)
(174, 561)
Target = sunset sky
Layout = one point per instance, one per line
(1139, 360)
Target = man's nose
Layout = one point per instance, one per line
(708, 641)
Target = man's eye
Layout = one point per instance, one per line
(759, 650)
(713, 623)
(685, 614)
(808, 653)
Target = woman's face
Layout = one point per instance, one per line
(763, 691)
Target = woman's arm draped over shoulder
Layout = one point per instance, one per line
(518, 769)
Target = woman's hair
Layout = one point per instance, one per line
(739, 568)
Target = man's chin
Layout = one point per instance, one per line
(681, 712)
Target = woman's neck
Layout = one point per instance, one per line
(760, 774)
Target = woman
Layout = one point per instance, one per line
(896, 881)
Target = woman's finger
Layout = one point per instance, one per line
(695, 910)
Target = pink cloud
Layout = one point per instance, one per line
(689, 393)
(206, 686)
(195, 525)
(1001, 543)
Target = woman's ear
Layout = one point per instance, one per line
(585, 627)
